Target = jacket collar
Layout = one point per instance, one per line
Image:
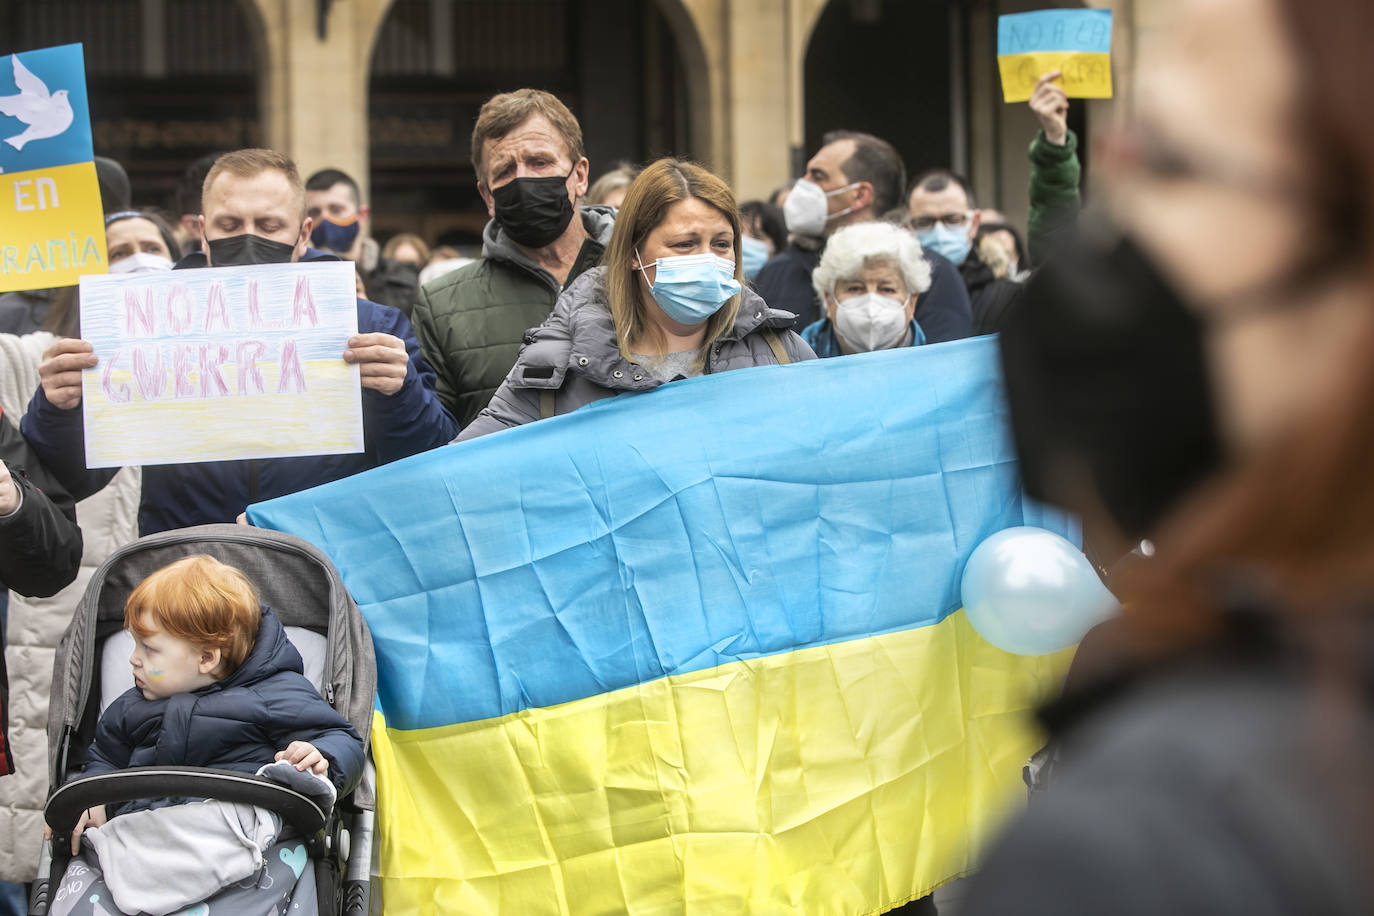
(599, 221)
(580, 337)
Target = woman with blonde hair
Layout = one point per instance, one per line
(667, 303)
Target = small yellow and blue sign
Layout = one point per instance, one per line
(1077, 42)
(51, 223)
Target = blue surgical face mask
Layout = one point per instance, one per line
(951, 242)
(754, 252)
(691, 288)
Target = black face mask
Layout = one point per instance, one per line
(1107, 375)
(242, 250)
(533, 211)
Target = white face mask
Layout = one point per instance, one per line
(141, 262)
(871, 322)
(806, 211)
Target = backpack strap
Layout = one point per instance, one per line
(546, 403)
(774, 342)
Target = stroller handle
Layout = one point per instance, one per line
(64, 806)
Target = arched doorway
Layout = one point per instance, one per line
(168, 80)
(614, 62)
(884, 67)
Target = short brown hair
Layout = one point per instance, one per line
(246, 163)
(505, 112)
(199, 599)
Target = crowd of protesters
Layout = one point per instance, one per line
(1188, 365)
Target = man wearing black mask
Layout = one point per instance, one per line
(531, 172)
(254, 213)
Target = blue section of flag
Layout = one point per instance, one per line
(715, 519)
(39, 126)
(1088, 31)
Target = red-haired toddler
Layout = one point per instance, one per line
(216, 684)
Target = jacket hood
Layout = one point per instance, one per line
(580, 335)
(496, 245)
(197, 259)
(272, 653)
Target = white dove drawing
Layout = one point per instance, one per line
(47, 115)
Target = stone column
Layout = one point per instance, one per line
(314, 91)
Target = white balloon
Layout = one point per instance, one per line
(1031, 592)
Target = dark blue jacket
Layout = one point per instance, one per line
(943, 310)
(238, 723)
(179, 495)
(820, 336)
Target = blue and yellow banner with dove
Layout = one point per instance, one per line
(52, 227)
(698, 650)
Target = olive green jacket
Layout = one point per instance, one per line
(471, 322)
(1054, 195)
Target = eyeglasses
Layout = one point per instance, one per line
(948, 220)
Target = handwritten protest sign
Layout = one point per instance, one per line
(1078, 42)
(51, 223)
(221, 363)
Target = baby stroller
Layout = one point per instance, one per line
(300, 584)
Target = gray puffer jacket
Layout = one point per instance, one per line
(574, 355)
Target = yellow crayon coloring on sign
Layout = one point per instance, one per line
(52, 227)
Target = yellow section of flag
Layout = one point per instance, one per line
(844, 778)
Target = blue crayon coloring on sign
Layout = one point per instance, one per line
(45, 119)
(1084, 31)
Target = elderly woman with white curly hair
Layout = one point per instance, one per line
(868, 281)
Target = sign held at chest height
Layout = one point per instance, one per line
(221, 363)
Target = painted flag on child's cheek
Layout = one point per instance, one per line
(694, 651)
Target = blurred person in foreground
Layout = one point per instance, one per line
(668, 302)
(869, 279)
(1202, 377)
(853, 178)
(532, 173)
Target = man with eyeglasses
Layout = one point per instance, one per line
(941, 208)
(853, 178)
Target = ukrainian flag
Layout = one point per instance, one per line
(1077, 42)
(694, 651)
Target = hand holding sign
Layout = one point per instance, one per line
(60, 371)
(382, 360)
(1051, 105)
(1077, 43)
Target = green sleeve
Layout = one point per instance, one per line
(425, 323)
(1054, 198)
